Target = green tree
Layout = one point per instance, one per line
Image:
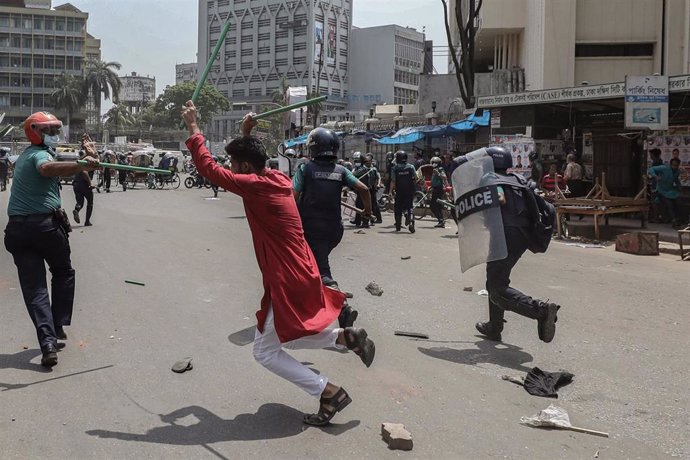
(69, 94)
(118, 117)
(169, 104)
(100, 77)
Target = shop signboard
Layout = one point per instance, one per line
(520, 148)
(646, 102)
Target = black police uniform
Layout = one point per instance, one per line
(83, 191)
(517, 225)
(369, 176)
(122, 175)
(319, 208)
(405, 179)
(4, 168)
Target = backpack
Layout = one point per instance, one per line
(542, 213)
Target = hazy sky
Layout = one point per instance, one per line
(151, 36)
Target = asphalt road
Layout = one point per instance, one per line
(623, 331)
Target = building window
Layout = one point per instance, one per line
(264, 50)
(247, 39)
(264, 36)
(264, 64)
(281, 62)
(231, 54)
(614, 50)
(247, 65)
(248, 52)
(255, 92)
(283, 33)
(238, 93)
(298, 46)
(299, 60)
(265, 22)
(230, 67)
(282, 48)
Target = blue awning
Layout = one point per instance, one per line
(403, 136)
(469, 124)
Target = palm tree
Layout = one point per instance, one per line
(119, 116)
(68, 94)
(100, 78)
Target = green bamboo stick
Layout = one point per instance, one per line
(209, 64)
(128, 167)
(287, 108)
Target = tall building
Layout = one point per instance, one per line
(137, 91)
(562, 43)
(305, 42)
(92, 108)
(386, 62)
(37, 44)
(186, 72)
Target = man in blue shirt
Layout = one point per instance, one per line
(668, 187)
(37, 229)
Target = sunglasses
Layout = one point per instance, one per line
(51, 130)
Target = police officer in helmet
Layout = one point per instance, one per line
(317, 187)
(404, 180)
(517, 225)
(439, 182)
(369, 176)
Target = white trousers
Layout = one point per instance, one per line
(268, 351)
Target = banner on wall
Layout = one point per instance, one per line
(588, 155)
(318, 41)
(646, 102)
(674, 146)
(520, 148)
(330, 49)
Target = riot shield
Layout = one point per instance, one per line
(480, 225)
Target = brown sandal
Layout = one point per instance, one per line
(328, 407)
(358, 342)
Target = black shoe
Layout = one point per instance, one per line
(440, 225)
(88, 224)
(75, 214)
(547, 323)
(411, 227)
(365, 225)
(397, 227)
(50, 357)
(488, 331)
(328, 281)
(60, 332)
(347, 316)
(407, 221)
(378, 221)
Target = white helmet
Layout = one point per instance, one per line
(290, 153)
(357, 156)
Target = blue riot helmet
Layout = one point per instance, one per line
(503, 160)
(323, 143)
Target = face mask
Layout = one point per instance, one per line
(51, 141)
(358, 163)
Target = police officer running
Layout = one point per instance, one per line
(37, 230)
(122, 175)
(403, 184)
(439, 182)
(517, 225)
(317, 187)
(369, 176)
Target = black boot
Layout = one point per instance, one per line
(488, 331)
(347, 316)
(49, 358)
(60, 333)
(546, 323)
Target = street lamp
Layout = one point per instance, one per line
(433, 106)
(347, 116)
(400, 110)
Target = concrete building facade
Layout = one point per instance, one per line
(137, 91)
(386, 62)
(186, 72)
(274, 39)
(563, 43)
(37, 44)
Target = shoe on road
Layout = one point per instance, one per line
(487, 331)
(50, 357)
(75, 214)
(547, 323)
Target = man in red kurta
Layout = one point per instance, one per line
(296, 309)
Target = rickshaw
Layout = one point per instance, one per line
(168, 161)
(142, 159)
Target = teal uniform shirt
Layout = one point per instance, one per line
(298, 180)
(438, 177)
(31, 192)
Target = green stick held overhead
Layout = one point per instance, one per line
(129, 168)
(209, 64)
(287, 108)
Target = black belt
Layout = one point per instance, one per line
(31, 218)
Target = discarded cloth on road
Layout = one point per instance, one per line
(546, 384)
(556, 417)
